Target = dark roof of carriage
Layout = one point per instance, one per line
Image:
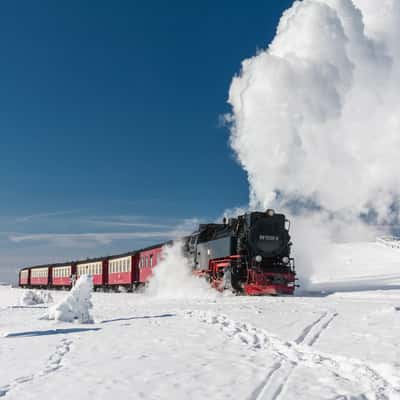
(95, 259)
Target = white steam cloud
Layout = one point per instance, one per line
(316, 117)
(173, 277)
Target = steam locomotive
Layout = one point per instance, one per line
(248, 255)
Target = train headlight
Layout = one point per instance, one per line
(270, 213)
(285, 260)
(258, 258)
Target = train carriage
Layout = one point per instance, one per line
(40, 277)
(61, 275)
(148, 259)
(121, 270)
(24, 277)
(97, 268)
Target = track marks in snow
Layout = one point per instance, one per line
(362, 378)
(54, 362)
(312, 332)
(279, 374)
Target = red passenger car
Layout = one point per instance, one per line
(24, 277)
(61, 275)
(40, 277)
(97, 268)
(121, 270)
(147, 260)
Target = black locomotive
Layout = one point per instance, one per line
(250, 253)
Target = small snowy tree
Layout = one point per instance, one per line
(76, 305)
(33, 297)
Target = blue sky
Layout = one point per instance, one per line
(109, 120)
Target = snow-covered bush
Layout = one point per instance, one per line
(76, 305)
(32, 297)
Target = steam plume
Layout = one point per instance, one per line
(316, 116)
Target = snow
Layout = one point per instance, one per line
(173, 278)
(32, 297)
(341, 345)
(76, 305)
(357, 266)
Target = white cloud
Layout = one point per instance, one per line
(45, 215)
(68, 239)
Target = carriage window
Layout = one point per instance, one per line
(151, 260)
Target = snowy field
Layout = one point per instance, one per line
(341, 345)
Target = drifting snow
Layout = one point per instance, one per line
(173, 277)
(356, 266)
(76, 306)
(32, 297)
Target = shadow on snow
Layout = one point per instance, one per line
(352, 284)
(61, 331)
(29, 307)
(106, 321)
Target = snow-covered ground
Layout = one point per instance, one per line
(342, 345)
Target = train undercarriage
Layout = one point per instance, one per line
(233, 273)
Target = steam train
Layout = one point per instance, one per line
(248, 255)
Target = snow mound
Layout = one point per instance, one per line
(76, 305)
(357, 266)
(173, 277)
(33, 297)
(389, 241)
